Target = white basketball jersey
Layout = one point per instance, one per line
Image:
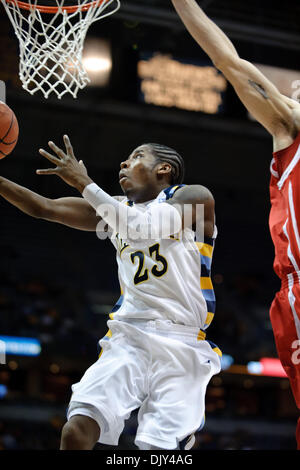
(166, 279)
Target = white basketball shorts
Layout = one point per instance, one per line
(156, 366)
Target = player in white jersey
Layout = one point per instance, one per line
(174, 260)
(155, 356)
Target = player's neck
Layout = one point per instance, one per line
(148, 195)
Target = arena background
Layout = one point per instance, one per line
(57, 284)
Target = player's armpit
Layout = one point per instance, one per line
(195, 201)
(260, 96)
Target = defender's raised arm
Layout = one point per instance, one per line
(262, 99)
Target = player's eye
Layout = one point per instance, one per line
(138, 155)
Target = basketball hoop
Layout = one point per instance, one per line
(51, 46)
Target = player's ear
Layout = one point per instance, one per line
(164, 169)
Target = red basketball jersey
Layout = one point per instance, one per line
(284, 218)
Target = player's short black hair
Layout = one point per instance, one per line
(169, 155)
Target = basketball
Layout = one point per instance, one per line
(9, 130)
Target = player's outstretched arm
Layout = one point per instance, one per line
(262, 99)
(74, 212)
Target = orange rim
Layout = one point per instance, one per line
(45, 9)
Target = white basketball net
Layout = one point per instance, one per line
(51, 44)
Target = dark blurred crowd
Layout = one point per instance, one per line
(59, 316)
(28, 436)
(242, 326)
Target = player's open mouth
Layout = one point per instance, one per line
(122, 176)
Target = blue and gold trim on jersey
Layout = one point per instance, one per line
(215, 348)
(111, 317)
(206, 249)
(201, 335)
(118, 304)
(169, 192)
(105, 338)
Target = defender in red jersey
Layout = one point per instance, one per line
(280, 115)
(284, 224)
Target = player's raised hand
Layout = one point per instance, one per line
(67, 166)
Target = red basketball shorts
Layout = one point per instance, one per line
(285, 319)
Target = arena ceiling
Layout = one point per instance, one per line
(267, 22)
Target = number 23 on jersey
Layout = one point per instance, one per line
(142, 274)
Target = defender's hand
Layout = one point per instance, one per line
(67, 167)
